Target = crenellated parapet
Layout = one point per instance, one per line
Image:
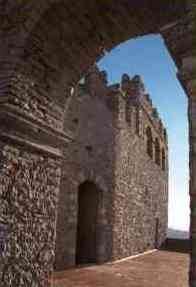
(138, 103)
(127, 100)
(132, 110)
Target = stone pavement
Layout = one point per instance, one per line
(157, 269)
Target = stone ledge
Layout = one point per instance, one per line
(30, 145)
(31, 130)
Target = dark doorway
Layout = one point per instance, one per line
(87, 223)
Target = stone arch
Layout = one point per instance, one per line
(104, 234)
(93, 177)
(66, 247)
(92, 16)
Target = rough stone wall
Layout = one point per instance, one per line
(29, 184)
(141, 185)
(31, 127)
(141, 196)
(110, 149)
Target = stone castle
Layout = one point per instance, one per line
(114, 186)
(45, 48)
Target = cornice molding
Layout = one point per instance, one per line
(14, 126)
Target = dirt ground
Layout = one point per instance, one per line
(157, 269)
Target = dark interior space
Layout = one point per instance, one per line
(87, 223)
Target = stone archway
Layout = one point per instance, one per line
(44, 52)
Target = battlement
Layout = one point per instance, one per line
(130, 91)
(133, 90)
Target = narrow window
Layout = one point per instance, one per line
(163, 159)
(149, 147)
(157, 152)
(165, 134)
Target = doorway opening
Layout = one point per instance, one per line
(86, 245)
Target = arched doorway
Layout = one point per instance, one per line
(86, 245)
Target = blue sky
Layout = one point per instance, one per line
(149, 57)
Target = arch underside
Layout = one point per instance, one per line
(79, 33)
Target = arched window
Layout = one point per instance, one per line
(149, 147)
(157, 152)
(163, 159)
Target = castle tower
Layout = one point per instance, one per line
(114, 186)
